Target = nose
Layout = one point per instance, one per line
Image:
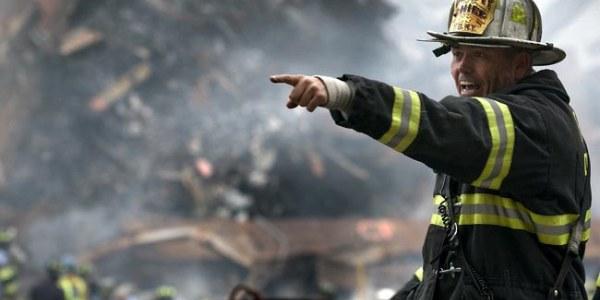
(463, 64)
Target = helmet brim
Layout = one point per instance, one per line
(543, 54)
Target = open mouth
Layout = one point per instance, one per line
(468, 88)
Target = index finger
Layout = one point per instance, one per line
(286, 78)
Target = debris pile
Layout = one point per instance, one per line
(170, 98)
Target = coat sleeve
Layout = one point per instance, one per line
(490, 143)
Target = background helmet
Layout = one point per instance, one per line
(85, 269)
(7, 235)
(68, 264)
(165, 292)
(53, 268)
(498, 24)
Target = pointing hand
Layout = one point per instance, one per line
(308, 91)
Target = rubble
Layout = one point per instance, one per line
(79, 39)
(122, 86)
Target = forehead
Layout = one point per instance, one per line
(479, 49)
(475, 48)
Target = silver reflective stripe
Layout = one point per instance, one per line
(502, 143)
(404, 120)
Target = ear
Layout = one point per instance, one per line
(523, 64)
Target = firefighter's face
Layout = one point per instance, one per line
(479, 71)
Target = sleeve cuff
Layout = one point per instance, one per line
(339, 93)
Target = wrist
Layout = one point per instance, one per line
(339, 93)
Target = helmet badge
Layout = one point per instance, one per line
(472, 16)
(518, 14)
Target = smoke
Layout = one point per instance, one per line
(80, 176)
(74, 231)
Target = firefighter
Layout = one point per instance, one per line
(9, 270)
(87, 272)
(511, 211)
(73, 286)
(597, 289)
(410, 286)
(48, 289)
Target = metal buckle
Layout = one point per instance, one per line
(453, 232)
(452, 270)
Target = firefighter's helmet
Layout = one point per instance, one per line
(53, 268)
(7, 235)
(498, 24)
(68, 264)
(85, 269)
(165, 292)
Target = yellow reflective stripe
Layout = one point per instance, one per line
(493, 127)
(396, 114)
(502, 133)
(419, 274)
(586, 164)
(413, 123)
(406, 116)
(553, 220)
(598, 281)
(7, 273)
(436, 219)
(67, 287)
(11, 289)
(587, 226)
(585, 236)
(588, 215)
(556, 240)
(561, 239)
(483, 219)
(509, 148)
(486, 209)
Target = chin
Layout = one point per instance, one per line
(471, 94)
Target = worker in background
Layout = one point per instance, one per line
(10, 259)
(597, 290)
(47, 288)
(410, 286)
(73, 286)
(165, 292)
(87, 273)
(511, 213)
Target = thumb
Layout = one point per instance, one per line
(286, 78)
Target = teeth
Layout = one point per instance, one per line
(468, 85)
